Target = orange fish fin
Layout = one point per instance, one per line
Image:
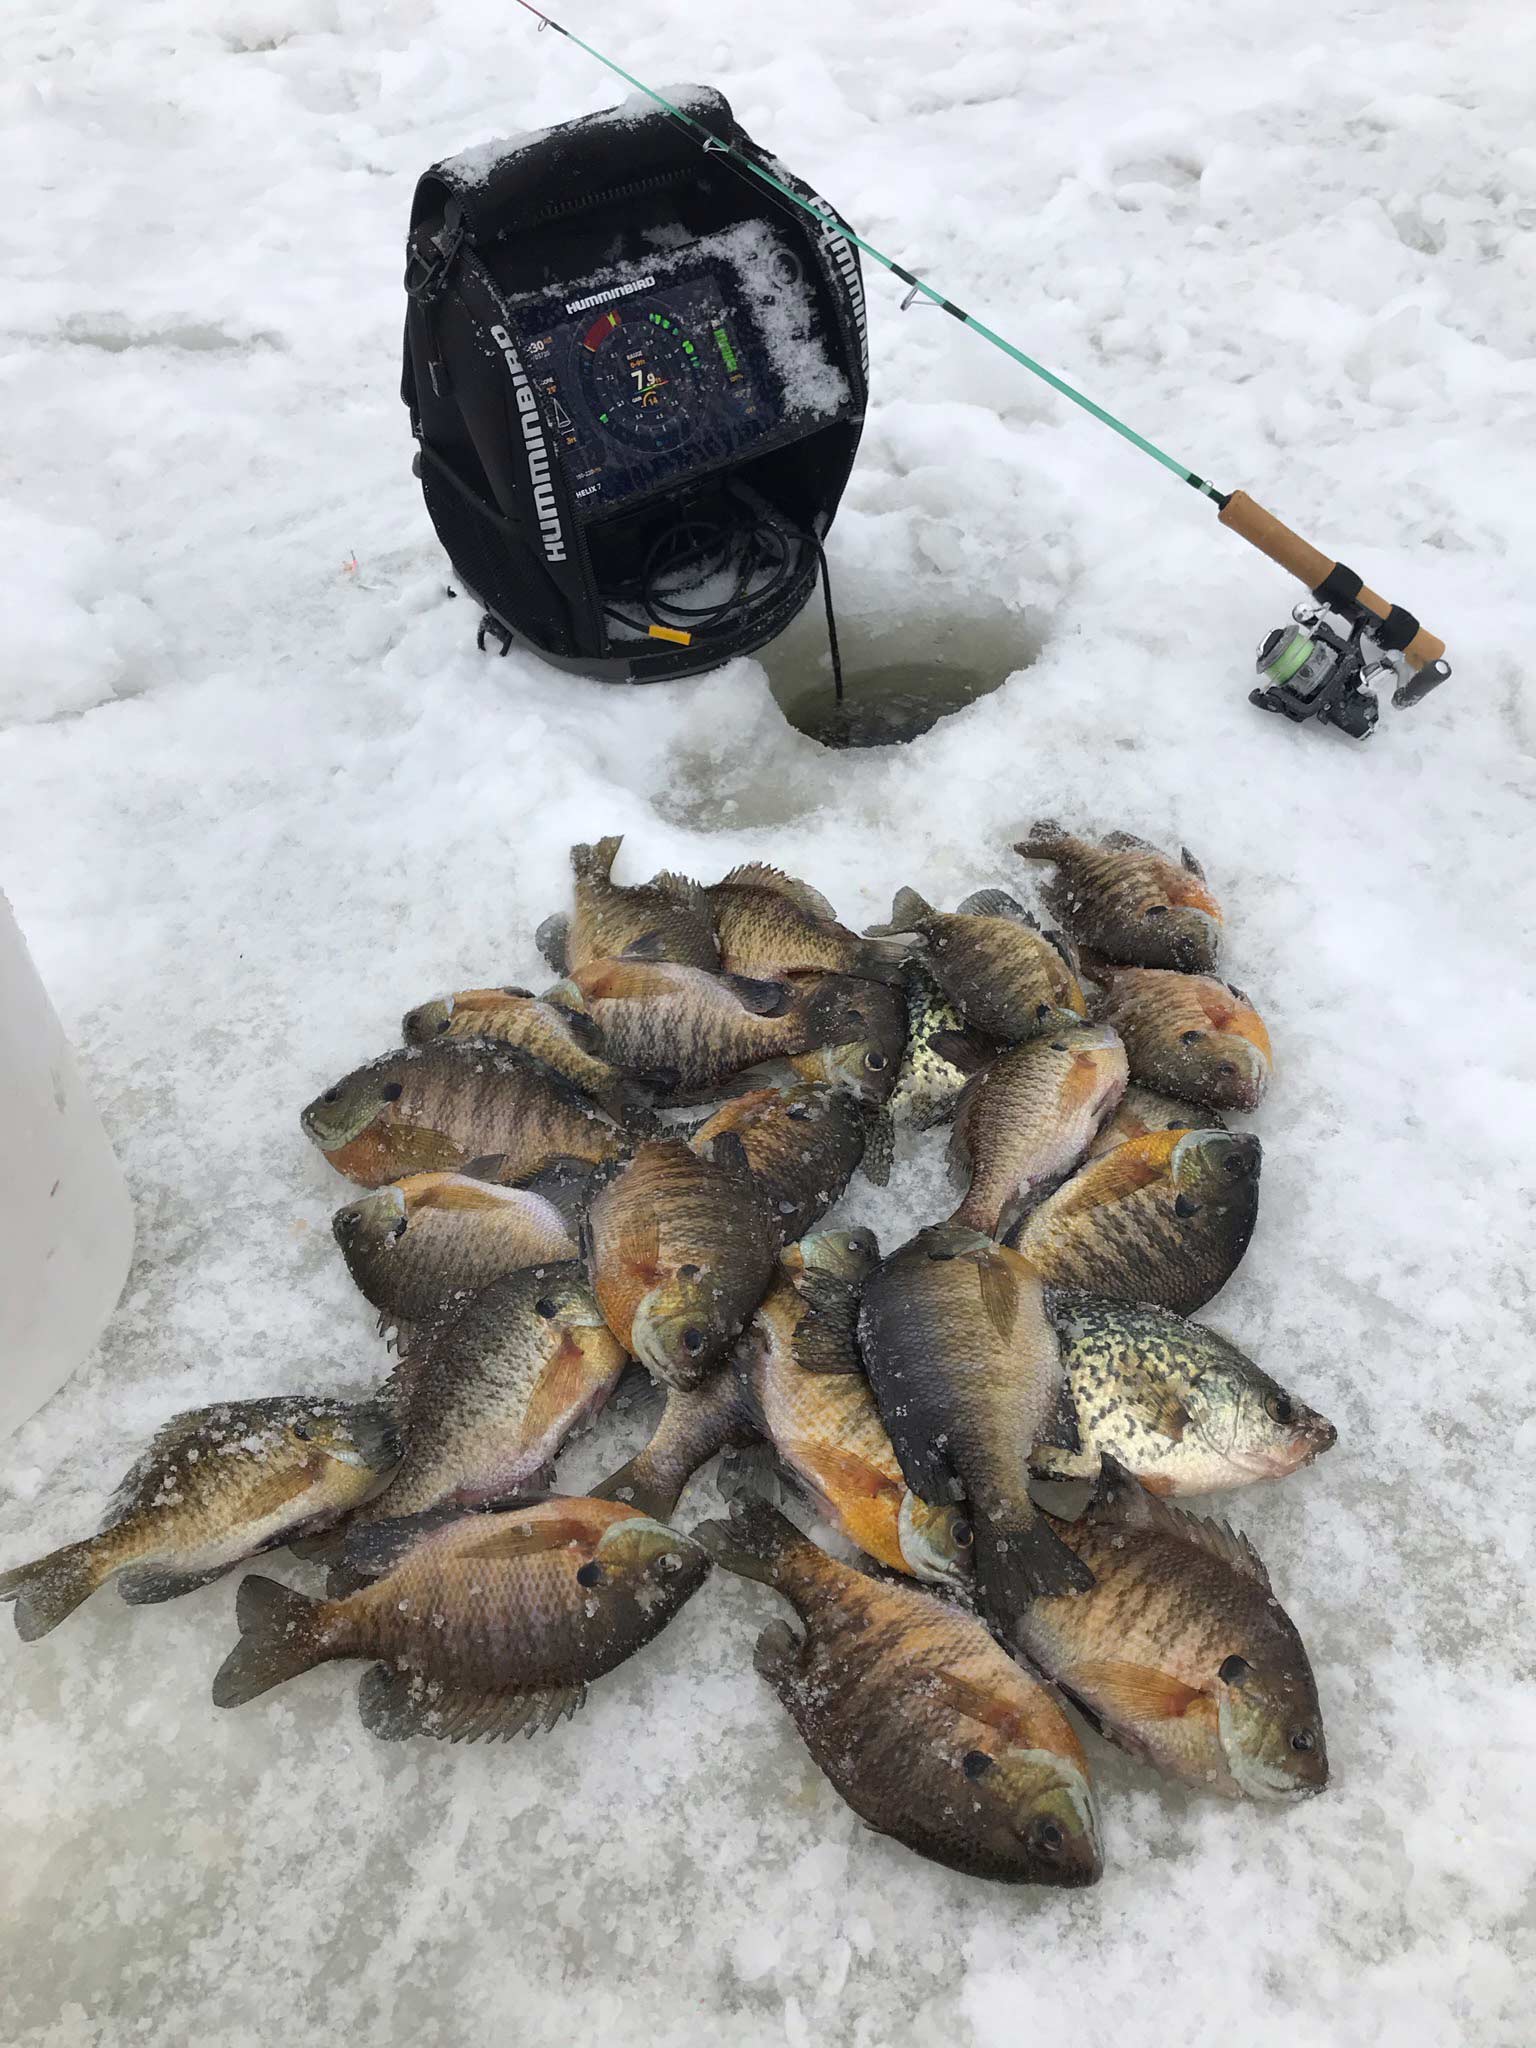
(511, 1537)
(572, 1382)
(840, 1475)
(1115, 1175)
(1131, 1692)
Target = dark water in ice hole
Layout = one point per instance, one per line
(898, 681)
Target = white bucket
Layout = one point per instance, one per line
(66, 1223)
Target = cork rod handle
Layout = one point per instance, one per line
(1264, 531)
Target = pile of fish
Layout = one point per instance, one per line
(628, 1175)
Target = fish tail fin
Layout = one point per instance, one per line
(909, 913)
(640, 1484)
(52, 1587)
(278, 1640)
(552, 938)
(757, 1542)
(1021, 1560)
(882, 960)
(595, 863)
(1044, 840)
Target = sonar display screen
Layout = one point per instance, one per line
(648, 381)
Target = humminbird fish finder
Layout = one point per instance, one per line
(637, 381)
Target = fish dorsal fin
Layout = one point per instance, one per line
(1191, 865)
(1125, 842)
(680, 889)
(756, 874)
(996, 903)
(142, 1476)
(1122, 1502)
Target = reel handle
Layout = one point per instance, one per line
(1264, 531)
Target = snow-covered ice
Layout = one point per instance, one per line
(261, 793)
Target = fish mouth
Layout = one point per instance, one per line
(1197, 947)
(648, 1343)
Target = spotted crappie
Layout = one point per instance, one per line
(1177, 1406)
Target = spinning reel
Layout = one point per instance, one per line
(1311, 670)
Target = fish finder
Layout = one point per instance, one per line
(637, 382)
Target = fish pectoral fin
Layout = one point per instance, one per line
(962, 1050)
(528, 1539)
(999, 1295)
(368, 1550)
(574, 1384)
(762, 998)
(142, 1585)
(1161, 1410)
(649, 946)
(975, 1701)
(750, 1471)
(842, 1475)
(1132, 1692)
(396, 1704)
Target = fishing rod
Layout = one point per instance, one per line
(1308, 669)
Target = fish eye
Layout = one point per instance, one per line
(444, 1024)
(1050, 1837)
(331, 1095)
(1234, 1166)
(687, 1272)
(798, 1113)
(1042, 1011)
(964, 1535)
(546, 1307)
(1234, 1670)
(1155, 910)
(670, 1561)
(1058, 1045)
(1227, 1067)
(1281, 1408)
(1190, 1037)
(855, 1017)
(875, 1061)
(392, 1091)
(302, 1431)
(590, 1574)
(976, 1763)
(397, 1230)
(1302, 1740)
(693, 1342)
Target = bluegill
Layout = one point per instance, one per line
(215, 1486)
(920, 1722)
(1127, 901)
(1003, 974)
(474, 1625)
(1180, 1652)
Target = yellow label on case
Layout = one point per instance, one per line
(670, 633)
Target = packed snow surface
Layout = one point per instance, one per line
(261, 793)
